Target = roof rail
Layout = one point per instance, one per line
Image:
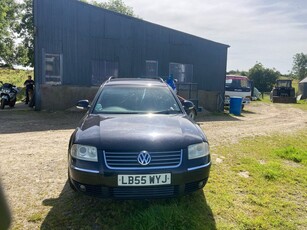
(110, 78)
(159, 78)
(154, 78)
(142, 78)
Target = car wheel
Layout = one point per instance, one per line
(192, 114)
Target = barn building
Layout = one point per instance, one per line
(302, 88)
(78, 46)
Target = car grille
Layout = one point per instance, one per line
(128, 160)
(145, 192)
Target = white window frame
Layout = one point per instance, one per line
(45, 66)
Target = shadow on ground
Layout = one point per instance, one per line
(28, 120)
(223, 116)
(75, 211)
(24, 119)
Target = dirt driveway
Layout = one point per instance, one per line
(257, 119)
(33, 150)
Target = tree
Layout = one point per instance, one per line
(300, 65)
(117, 6)
(263, 78)
(7, 39)
(25, 30)
(24, 52)
(7, 18)
(237, 72)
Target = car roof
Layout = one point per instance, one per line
(135, 81)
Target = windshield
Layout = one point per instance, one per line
(285, 83)
(237, 83)
(135, 100)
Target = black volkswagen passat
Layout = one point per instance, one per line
(136, 141)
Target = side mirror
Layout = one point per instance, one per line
(187, 105)
(83, 104)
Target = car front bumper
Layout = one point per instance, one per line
(104, 184)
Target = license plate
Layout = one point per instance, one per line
(144, 180)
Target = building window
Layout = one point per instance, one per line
(102, 70)
(151, 68)
(181, 72)
(53, 69)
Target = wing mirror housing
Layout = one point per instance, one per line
(187, 105)
(83, 104)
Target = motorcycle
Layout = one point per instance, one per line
(8, 93)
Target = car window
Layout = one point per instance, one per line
(286, 84)
(136, 99)
(237, 83)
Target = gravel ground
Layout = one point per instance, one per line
(33, 149)
(257, 120)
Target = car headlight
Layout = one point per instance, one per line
(198, 150)
(84, 152)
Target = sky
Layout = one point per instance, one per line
(267, 31)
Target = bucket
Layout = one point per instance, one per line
(235, 106)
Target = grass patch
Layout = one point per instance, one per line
(73, 211)
(272, 196)
(265, 98)
(175, 215)
(293, 154)
(36, 217)
(15, 77)
(302, 104)
(272, 173)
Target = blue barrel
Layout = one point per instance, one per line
(235, 106)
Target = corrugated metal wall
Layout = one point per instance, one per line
(302, 88)
(83, 33)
